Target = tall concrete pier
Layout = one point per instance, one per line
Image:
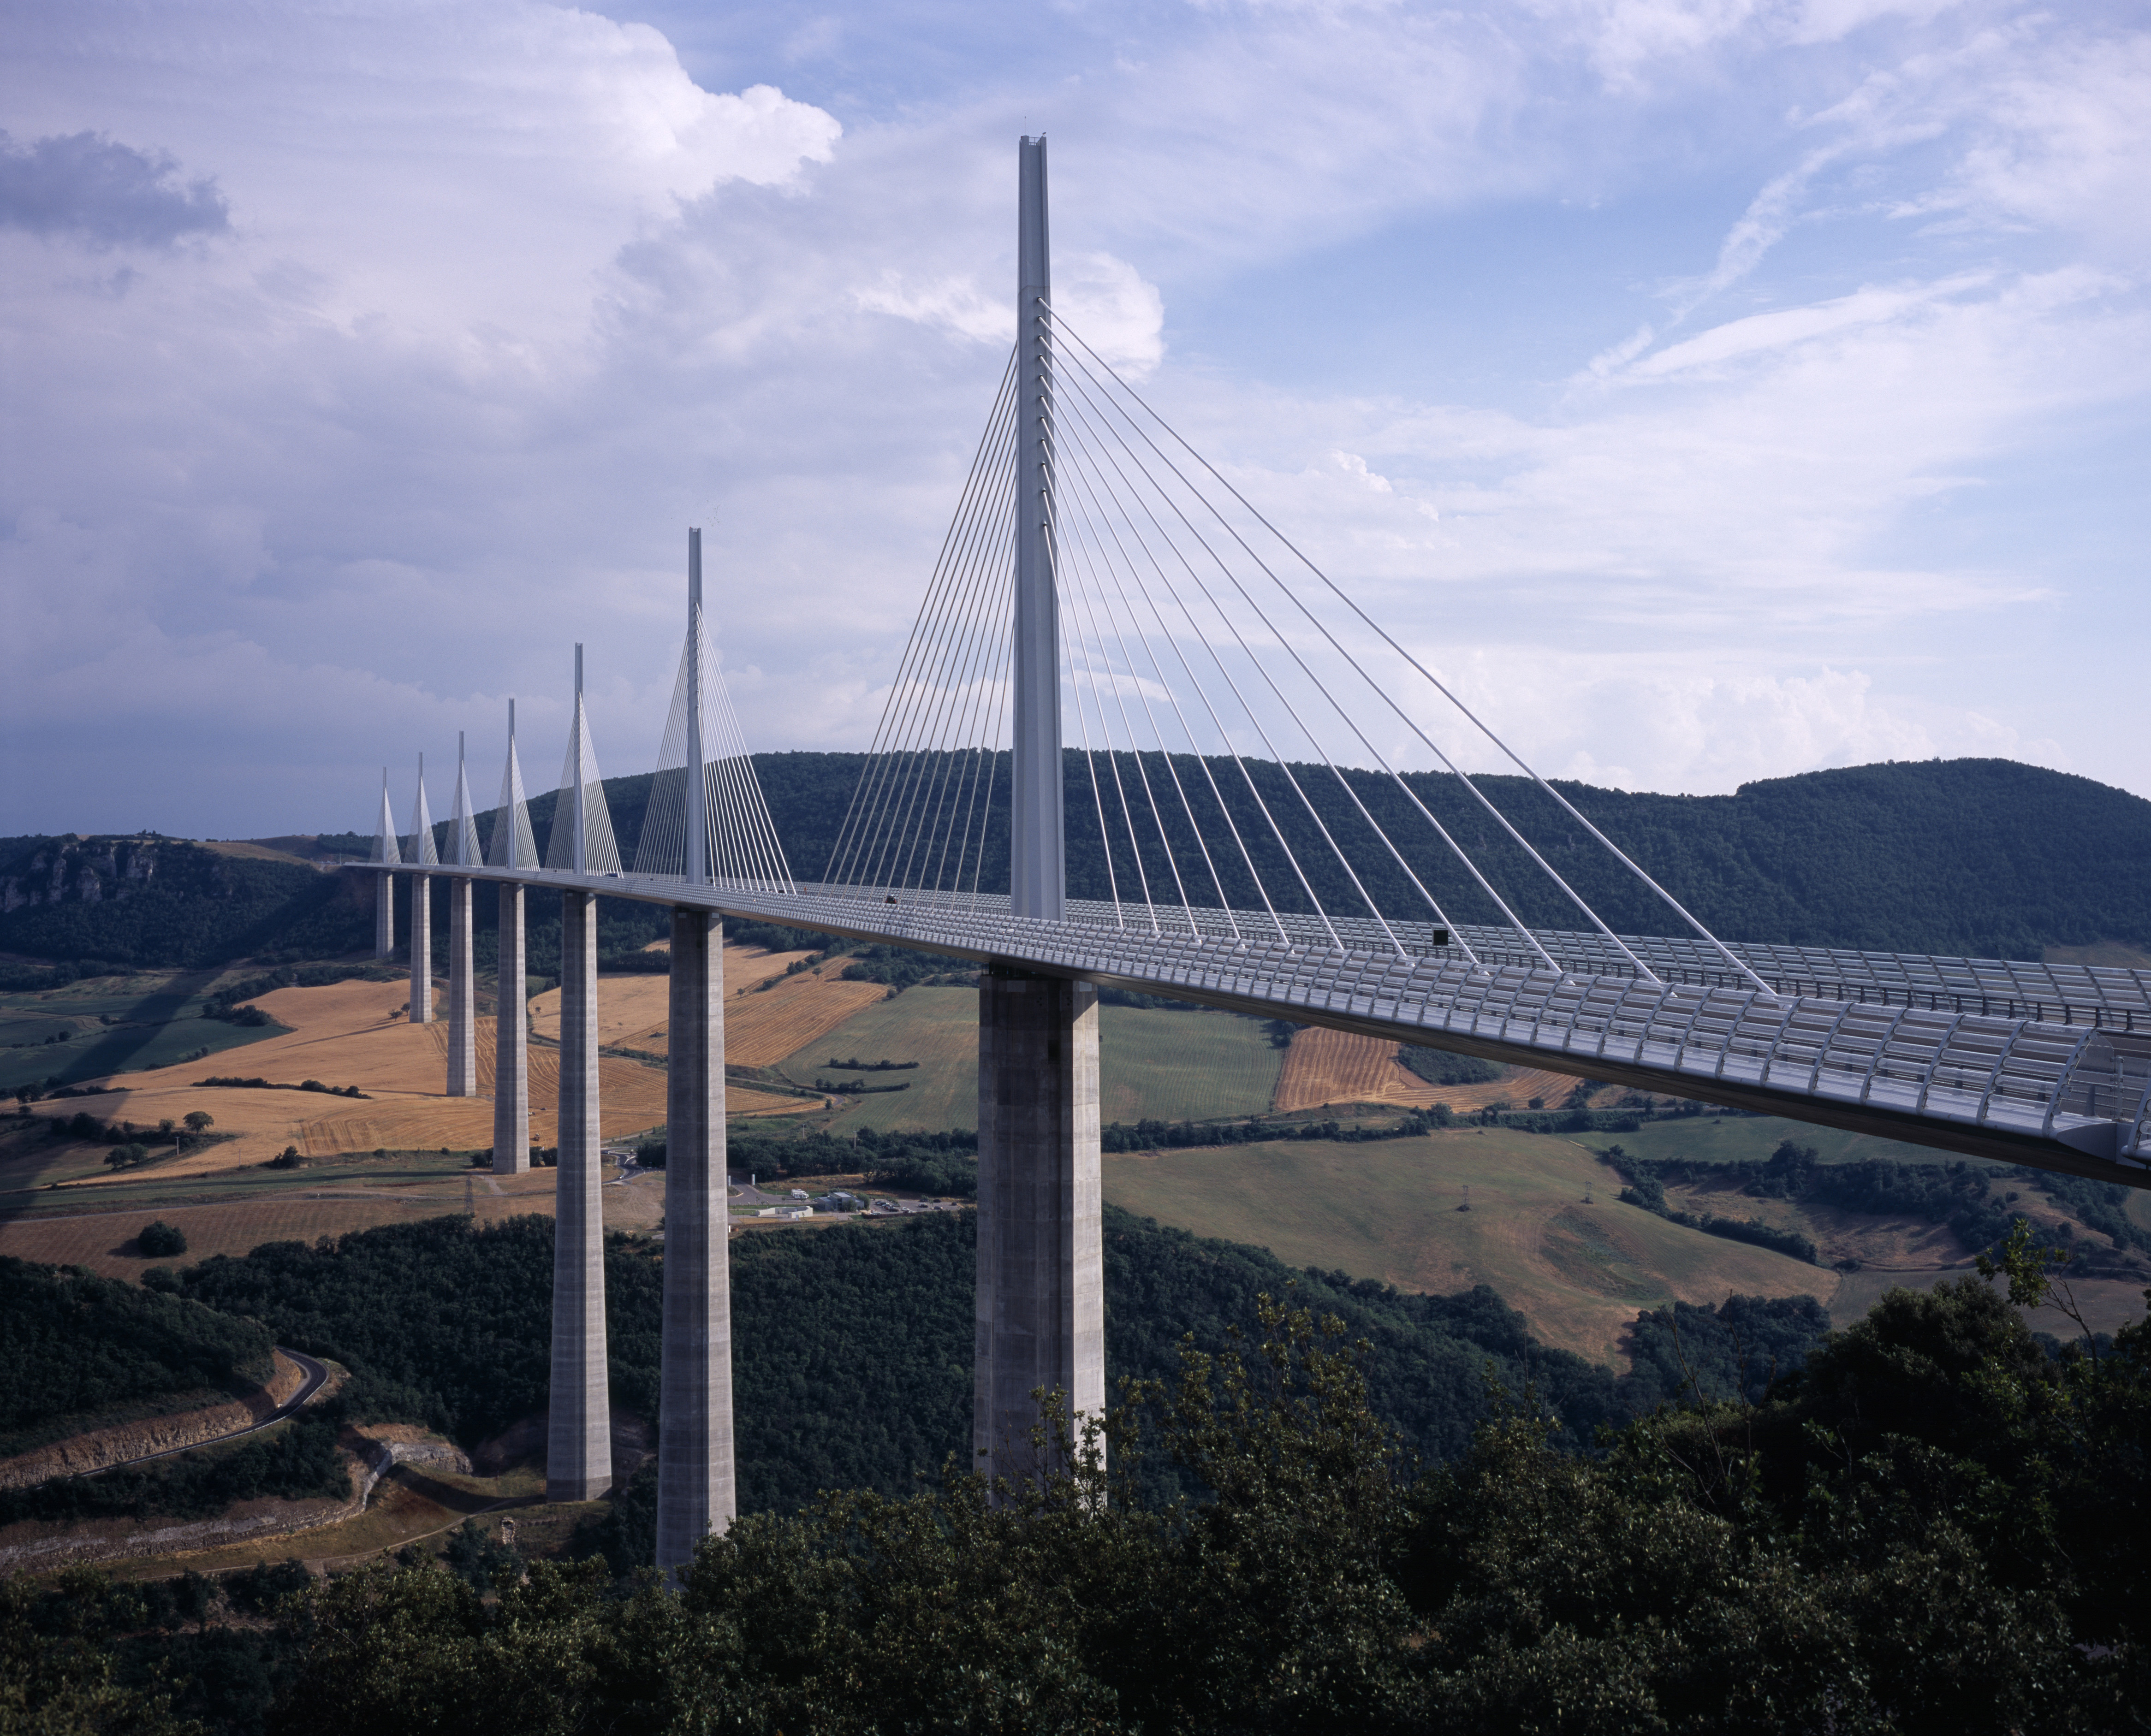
(696, 1495)
(578, 1441)
(462, 1006)
(511, 1045)
(1041, 1294)
(421, 949)
(1041, 1311)
(462, 1025)
(512, 847)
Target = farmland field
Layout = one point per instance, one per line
(937, 1028)
(1725, 1139)
(1175, 1066)
(1180, 1067)
(113, 1024)
(764, 1025)
(1390, 1211)
(1324, 1067)
(632, 1008)
(233, 1215)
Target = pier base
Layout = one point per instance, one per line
(1041, 1301)
(696, 1495)
(511, 1045)
(579, 1435)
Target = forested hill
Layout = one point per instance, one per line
(1985, 858)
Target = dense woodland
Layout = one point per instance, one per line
(1914, 1531)
(75, 1347)
(1955, 856)
(853, 1345)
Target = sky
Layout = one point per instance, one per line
(1712, 390)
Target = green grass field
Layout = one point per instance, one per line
(1739, 1140)
(1743, 1139)
(1174, 1065)
(1388, 1210)
(155, 1021)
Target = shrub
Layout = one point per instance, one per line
(161, 1240)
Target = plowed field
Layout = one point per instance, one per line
(765, 1026)
(1324, 1067)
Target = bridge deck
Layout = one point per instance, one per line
(1936, 1051)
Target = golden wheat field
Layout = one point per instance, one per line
(765, 1026)
(632, 1010)
(1324, 1067)
(355, 1033)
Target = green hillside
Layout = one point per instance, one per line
(78, 1352)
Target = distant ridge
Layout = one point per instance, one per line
(1980, 856)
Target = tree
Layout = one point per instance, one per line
(160, 1240)
(199, 1121)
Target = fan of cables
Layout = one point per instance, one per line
(1246, 751)
(739, 845)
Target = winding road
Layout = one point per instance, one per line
(316, 1374)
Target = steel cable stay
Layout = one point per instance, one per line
(1524, 932)
(757, 849)
(740, 839)
(1352, 794)
(1081, 590)
(1078, 457)
(882, 762)
(1306, 887)
(1425, 674)
(1067, 570)
(1090, 759)
(1344, 861)
(950, 641)
(966, 643)
(970, 638)
(1522, 843)
(1225, 903)
(945, 642)
(984, 468)
(1195, 829)
(985, 651)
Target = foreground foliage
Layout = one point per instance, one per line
(1928, 1528)
(1908, 1540)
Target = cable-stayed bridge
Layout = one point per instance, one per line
(1270, 793)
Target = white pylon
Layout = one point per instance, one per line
(513, 845)
(463, 825)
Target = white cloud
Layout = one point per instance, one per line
(506, 301)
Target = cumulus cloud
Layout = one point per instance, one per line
(506, 298)
(94, 189)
